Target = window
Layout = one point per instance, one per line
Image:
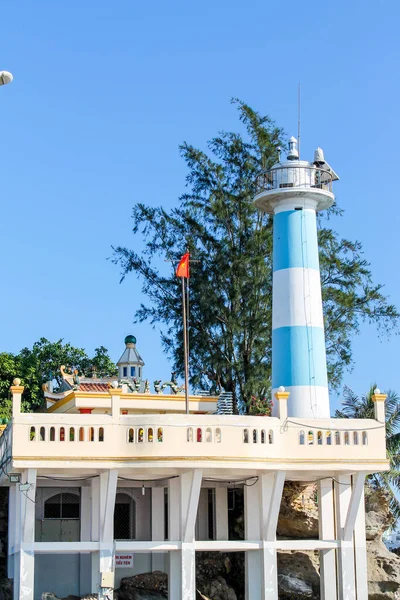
(62, 506)
(199, 435)
(189, 434)
(131, 436)
(125, 371)
(133, 371)
(150, 434)
(91, 434)
(246, 436)
(32, 434)
(364, 438)
(62, 434)
(337, 438)
(270, 437)
(263, 436)
(140, 435)
(52, 434)
(255, 436)
(124, 517)
(208, 435)
(346, 438)
(160, 434)
(101, 434)
(301, 438)
(319, 438)
(310, 438)
(72, 434)
(328, 438)
(81, 434)
(355, 438)
(218, 435)
(42, 434)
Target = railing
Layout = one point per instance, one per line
(294, 177)
(65, 437)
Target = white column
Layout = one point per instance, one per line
(360, 551)
(190, 493)
(174, 534)
(345, 562)
(271, 488)
(24, 573)
(183, 501)
(221, 514)
(95, 531)
(253, 577)
(108, 490)
(157, 526)
(327, 558)
(12, 514)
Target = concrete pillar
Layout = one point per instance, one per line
(103, 492)
(360, 551)
(327, 558)
(190, 493)
(24, 563)
(157, 526)
(345, 554)
(174, 534)
(108, 491)
(253, 576)
(183, 500)
(221, 513)
(271, 488)
(12, 518)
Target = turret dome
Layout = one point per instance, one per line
(130, 339)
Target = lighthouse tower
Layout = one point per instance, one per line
(293, 191)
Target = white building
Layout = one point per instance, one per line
(115, 480)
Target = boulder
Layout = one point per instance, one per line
(298, 516)
(146, 586)
(378, 517)
(383, 572)
(217, 589)
(298, 575)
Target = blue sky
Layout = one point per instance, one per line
(104, 92)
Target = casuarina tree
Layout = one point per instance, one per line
(231, 278)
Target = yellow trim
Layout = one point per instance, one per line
(17, 389)
(75, 395)
(379, 397)
(204, 458)
(60, 403)
(282, 395)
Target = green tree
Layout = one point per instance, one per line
(43, 361)
(231, 284)
(8, 371)
(362, 407)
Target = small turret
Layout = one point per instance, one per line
(130, 365)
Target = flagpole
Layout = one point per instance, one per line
(185, 347)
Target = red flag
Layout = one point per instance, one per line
(182, 269)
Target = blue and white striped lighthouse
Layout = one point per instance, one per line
(293, 191)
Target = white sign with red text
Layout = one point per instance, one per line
(124, 560)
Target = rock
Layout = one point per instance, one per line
(298, 575)
(140, 594)
(383, 572)
(291, 586)
(146, 586)
(217, 589)
(298, 517)
(6, 589)
(378, 517)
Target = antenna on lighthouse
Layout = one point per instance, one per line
(298, 117)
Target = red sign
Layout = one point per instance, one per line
(124, 560)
